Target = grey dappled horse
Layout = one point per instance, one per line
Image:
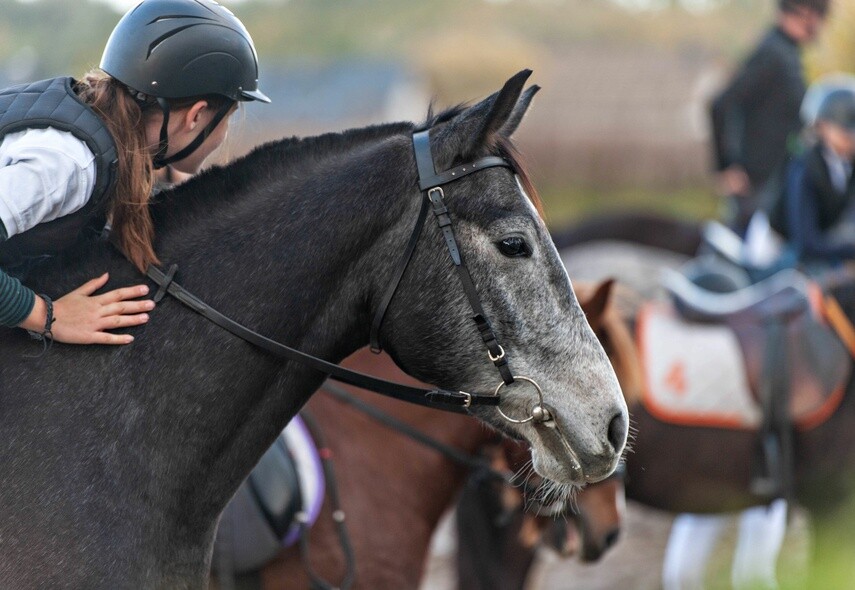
(117, 461)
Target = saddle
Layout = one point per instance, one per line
(781, 329)
(261, 517)
(797, 367)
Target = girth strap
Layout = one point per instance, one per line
(455, 401)
(772, 475)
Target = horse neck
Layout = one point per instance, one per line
(293, 258)
(289, 245)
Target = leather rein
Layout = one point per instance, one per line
(430, 182)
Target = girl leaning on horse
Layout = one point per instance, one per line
(82, 156)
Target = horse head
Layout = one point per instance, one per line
(526, 297)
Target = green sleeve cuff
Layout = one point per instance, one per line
(16, 300)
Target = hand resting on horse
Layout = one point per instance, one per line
(81, 317)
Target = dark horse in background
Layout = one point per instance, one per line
(387, 481)
(116, 462)
(715, 466)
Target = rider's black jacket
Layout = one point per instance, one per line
(757, 114)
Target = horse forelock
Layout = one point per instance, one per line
(507, 150)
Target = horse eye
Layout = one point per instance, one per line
(513, 247)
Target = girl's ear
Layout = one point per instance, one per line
(193, 116)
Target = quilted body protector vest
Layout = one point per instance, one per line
(53, 103)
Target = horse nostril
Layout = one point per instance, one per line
(612, 537)
(617, 431)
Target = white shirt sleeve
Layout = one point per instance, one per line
(44, 174)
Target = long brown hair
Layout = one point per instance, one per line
(132, 228)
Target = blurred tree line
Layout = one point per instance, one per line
(49, 37)
(40, 38)
(462, 48)
(835, 51)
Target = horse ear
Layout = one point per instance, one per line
(595, 306)
(476, 126)
(519, 111)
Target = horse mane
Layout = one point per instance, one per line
(287, 156)
(295, 157)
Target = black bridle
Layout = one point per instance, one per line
(430, 182)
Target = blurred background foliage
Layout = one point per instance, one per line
(621, 120)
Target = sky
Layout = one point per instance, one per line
(123, 5)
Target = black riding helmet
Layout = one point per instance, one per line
(181, 49)
(839, 108)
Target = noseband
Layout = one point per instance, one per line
(431, 183)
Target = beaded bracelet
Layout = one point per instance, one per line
(46, 336)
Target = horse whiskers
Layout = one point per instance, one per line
(525, 468)
(545, 496)
(552, 497)
(630, 442)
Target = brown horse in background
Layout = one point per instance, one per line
(688, 469)
(496, 552)
(394, 491)
(692, 469)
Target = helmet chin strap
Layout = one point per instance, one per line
(160, 160)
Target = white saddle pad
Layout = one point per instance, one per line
(694, 374)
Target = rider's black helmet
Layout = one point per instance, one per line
(839, 108)
(181, 49)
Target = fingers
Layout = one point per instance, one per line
(107, 338)
(123, 294)
(89, 287)
(122, 321)
(84, 318)
(127, 307)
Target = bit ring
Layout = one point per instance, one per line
(538, 413)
